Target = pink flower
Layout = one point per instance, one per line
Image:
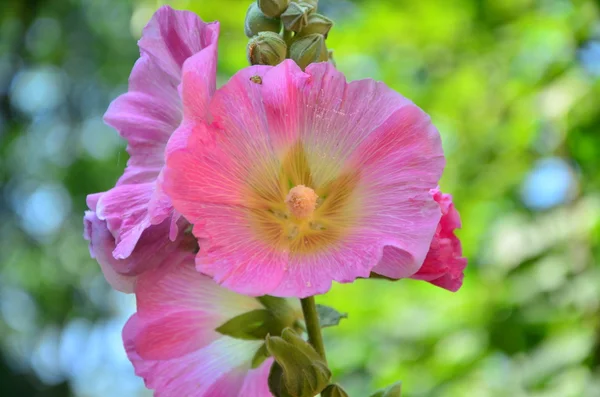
(444, 264)
(294, 179)
(136, 211)
(172, 341)
(151, 250)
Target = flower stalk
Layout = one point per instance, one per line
(313, 328)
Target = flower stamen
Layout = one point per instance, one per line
(301, 201)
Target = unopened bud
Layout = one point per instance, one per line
(334, 391)
(295, 18)
(309, 49)
(314, 3)
(394, 390)
(257, 22)
(317, 23)
(273, 8)
(266, 48)
(299, 371)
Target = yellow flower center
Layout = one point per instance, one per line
(295, 210)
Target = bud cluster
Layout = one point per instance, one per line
(280, 29)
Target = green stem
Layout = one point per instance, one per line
(313, 328)
(287, 37)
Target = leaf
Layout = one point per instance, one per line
(329, 317)
(253, 325)
(260, 356)
(394, 390)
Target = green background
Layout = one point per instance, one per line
(512, 85)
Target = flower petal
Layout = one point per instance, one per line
(444, 264)
(171, 37)
(256, 384)
(102, 243)
(146, 116)
(176, 334)
(177, 287)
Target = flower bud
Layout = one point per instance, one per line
(314, 3)
(394, 390)
(266, 48)
(309, 49)
(317, 23)
(299, 371)
(257, 22)
(295, 18)
(334, 391)
(273, 8)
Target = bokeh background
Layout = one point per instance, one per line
(514, 88)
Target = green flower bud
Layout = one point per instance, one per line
(257, 22)
(273, 8)
(394, 390)
(334, 391)
(309, 49)
(266, 48)
(295, 18)
(301, 371)
(314, 3)
(317, 23)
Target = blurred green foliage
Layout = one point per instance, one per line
(514, 88)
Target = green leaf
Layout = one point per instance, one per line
(254, 325)
(304, 373)
(394, 390)
(329, 317)
(334, 391)
(260, 356)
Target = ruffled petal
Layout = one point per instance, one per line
(146, 116)
(101, 245)
(444, 264)
(171, 37)
(368, 152)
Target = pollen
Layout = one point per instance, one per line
(301, 201)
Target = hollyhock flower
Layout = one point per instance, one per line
(152, 249)
(444, 264)
(136, 211)
(294, 179)
(172, 341)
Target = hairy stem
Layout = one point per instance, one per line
(313, 328)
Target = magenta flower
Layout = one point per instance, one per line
(294, 179)
(444, 264)
(136, 211)
(172, 341)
